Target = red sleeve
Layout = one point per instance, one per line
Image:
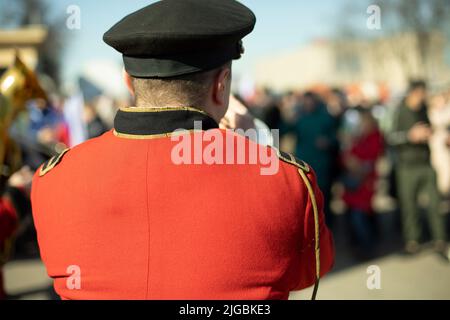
(8, 220)
(307, 255)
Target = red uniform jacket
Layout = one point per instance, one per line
(118, 218)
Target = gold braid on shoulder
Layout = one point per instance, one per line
(303, 169)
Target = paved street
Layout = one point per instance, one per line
(421, 277)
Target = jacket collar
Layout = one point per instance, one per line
(148, 123)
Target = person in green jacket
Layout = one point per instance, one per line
(315, 132)
(410, 135)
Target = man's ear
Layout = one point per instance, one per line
(221, 90)
(128, 82)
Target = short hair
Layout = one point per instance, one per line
(189, 90)
(417, 84)
(310, 95)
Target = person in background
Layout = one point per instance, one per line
(47, 123)
(264, 106)
(337, 105)
(315, 131)
(8, 225)
(94, 124)
(359, 179)
(40, 133)
(440, 150)
(411, 135)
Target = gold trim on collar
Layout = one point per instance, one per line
(153, 136)
(161, 109)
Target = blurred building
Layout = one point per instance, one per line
(26, 41)
(390, 61)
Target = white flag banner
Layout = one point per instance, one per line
(73, 113)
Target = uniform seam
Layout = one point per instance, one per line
(148, 221)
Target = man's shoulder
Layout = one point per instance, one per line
(51, 163)
(286, 158)
(63, 159)
(293, 160)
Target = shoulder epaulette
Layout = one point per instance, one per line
(52, 163)
(291, 159)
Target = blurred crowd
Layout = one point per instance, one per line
(342, 134)
(354, 141)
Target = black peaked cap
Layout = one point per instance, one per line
(176, 37)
